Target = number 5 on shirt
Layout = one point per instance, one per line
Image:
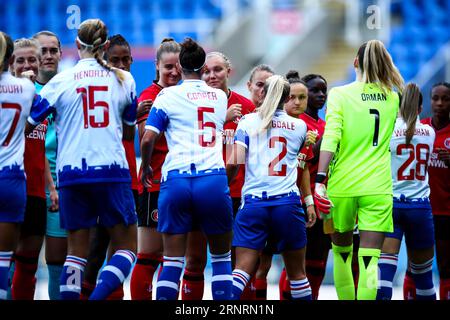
(202, 125)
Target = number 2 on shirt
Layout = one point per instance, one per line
(272, 164)
(89, 103)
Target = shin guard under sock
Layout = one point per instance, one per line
(142, 276)
(368, 273)
(24, 281)
(192, 286)
(342, 272)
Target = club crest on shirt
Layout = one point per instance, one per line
(154, 215)
(447, 143)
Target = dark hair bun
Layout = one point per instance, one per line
(192, 56)
(292, 74)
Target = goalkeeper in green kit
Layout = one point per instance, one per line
(359, 123)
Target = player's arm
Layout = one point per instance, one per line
(40, 110)
(156, 124)
(316, 150)
(238, 152)
(333, 131)
(330, 141)
(237, 157)
(143, 110)
(147, 145)
(129, 120)
(128, 132)
(305, 188)
(50, 184)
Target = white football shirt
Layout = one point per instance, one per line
(16, 98)
(192, 115)
(409, 163)
(271, 158)
(90, 106)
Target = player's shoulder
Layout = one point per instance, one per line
(63, 76)
(9, 79)
(344, 88)
(26, 83)
(127, 75)
(167, 91)
(219, 93)
(248, 118)
(150, 92)
(427, 128)
(238, 98)
(251, 117)
(299, 124)
(426, 121)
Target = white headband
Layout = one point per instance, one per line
(195, 70)
(90, 45)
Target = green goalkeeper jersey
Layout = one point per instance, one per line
(359, 123)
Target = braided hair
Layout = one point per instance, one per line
(93, 35)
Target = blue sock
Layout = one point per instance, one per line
(423, 278)
(240, 280)
(113, 274)
(388, 266)
(5, 262)
(54, 276)
(71, 277)
(12, 268)
(300, 289)
(222, 280)
(167, 285)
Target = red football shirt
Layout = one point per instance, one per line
(319, 125)
(160, 149)
(229, 129)
(34, 161)
(439, 173)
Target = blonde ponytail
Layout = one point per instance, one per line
(377, 66)
(277, 90)
(409, 108)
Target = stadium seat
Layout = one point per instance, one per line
(121, 16)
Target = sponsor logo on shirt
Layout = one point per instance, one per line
(154, 215)
(38, 133)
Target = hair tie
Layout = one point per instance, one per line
(90, 45)
(195, 69)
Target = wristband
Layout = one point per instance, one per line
(321, 177)
(309, 201)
